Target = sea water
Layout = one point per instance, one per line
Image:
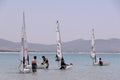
(82, 67)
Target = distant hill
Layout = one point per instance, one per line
(80, 45)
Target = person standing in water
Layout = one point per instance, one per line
(100, 62)
(34, 64)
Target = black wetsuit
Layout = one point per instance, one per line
(63, 65)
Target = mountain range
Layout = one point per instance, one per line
(79, 45)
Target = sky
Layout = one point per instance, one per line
(76, 18)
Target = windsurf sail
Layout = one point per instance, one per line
(59, 44)
(24, 49)
(93, 52)
(59, 55)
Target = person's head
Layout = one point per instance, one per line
(35, 57)
(99, 58)
(43, 57)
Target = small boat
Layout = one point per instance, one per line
(93, 56)
(59, 54)
(24, 66)
(41, 66)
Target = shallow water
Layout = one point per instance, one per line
(82, 68)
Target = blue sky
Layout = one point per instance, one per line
(76, 17)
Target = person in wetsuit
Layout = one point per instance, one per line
(63, 64)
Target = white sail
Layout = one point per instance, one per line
(24, 50)
(59, 50)
(93, 52)
(59, 54)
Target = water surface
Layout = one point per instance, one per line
(82, 68)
